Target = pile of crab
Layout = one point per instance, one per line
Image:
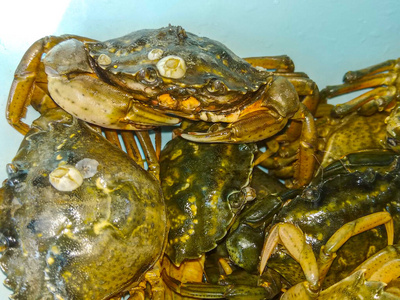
(264, 191)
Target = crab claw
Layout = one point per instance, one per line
(252, 127)
(88, 98)
(220, 136)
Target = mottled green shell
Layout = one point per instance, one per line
(88, 243)
(205, 58)
(337, 199)
(203, 188)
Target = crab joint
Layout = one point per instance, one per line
(172, 66)
(66, 178)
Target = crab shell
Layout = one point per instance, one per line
(205, 186)
(178, 63)
(79, 219)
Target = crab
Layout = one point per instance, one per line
(153, 78)
(243, 242)
(205, 186)
(352, 220)
(79, 219)
(383, 80)
(350, 197)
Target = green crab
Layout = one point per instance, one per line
(383, 82)
(79, 219)
(238, 252)
(154, 77)
(353, 195)
(205, 186)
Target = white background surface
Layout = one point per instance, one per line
(324, 38)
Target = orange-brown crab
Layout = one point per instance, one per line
(152, 78)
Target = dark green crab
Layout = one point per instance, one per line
(205, 186)
(358, 186)
(79, 219)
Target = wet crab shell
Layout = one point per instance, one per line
(90, 241)
(205, 61)
(203, 186)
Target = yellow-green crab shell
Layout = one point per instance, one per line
(205, 186)
(79, 219)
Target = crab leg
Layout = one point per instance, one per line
(307, 89)
(382, 266)
(151, 156)
(132, 148)
(212, 291)
(327, 252)
(294, 241)
(393, 64)
(380, 97)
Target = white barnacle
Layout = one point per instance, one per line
(66, 178)
(261, 69)
(104, 60)
(155, 54)
(87, 167)
(172, 66)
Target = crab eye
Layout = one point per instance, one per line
(216, 86)
(147, 76)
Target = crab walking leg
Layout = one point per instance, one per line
(388, 89)
(328, 252)
(149, 152)
(305, 164)
(371, 101)
(158, 141)
(132, 148)
(212, 291)
(383, 266)
(28, 80)
(393, 64)
(294, 241)
(307, 89)
(371, 81)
